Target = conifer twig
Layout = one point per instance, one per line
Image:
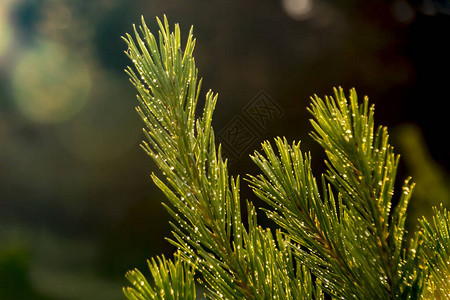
(340, 234)
(235, 263)
(436, 251)
(172, 280)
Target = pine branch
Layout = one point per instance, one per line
(234, 262)
(362, 166)
(340, 234)
(436, 251)
(171, 280)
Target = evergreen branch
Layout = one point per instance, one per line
(171, 280)
(344, 230)
(291, 189)
(363, 167)
(339, 235)
(234, 262)
(436, 251)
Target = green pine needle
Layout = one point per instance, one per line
(436, 250)
(171, 281)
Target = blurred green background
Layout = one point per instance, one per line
(77, 207)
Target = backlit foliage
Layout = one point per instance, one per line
(339, 235)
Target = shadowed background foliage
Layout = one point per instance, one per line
(77, 207)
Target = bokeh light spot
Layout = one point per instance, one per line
(403, 12)
(5, 28)
(50, 83)
(298, 9)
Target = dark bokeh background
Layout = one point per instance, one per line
(77, 208)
